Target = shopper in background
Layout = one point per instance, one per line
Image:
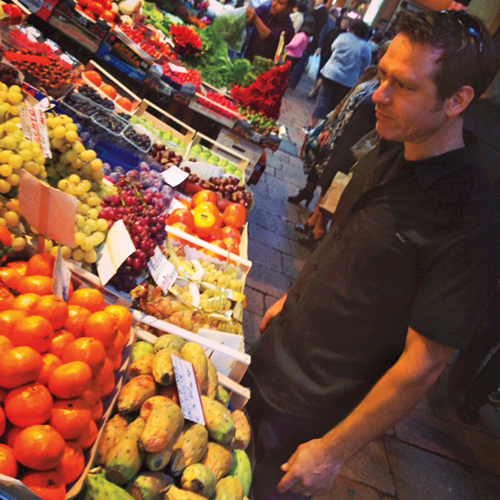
(351, 55)
(376, 41)
(325, 49)
(269, 23)
(297, 16)
(296, 48)
(401, 280)
(381, 26)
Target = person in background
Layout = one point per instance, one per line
(269, 23)
(381, 26)
(351, 55)
(401, 280)
(296, 48)
(375, 44)
(297, 15)
(325, 49)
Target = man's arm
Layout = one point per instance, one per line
(314, 466)
(252, 18)
(274, 310)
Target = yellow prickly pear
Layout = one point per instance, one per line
(189, 448)
(194, 354)
(168, 341)
(242, 469)
(219, 421)
(213, 380)
(198, 479)
(112, 431)
(243, 431)
(135, 392)
(174, 493)
(163, 368)
(218, 459)
(142, 366)
(229, 488)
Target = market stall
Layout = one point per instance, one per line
(123, 241)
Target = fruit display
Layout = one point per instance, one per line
(186, 40)
(259, 122)
(98, 9)
(189, 76)
(201, 153)
(148, 450)
(219, 104)
(58, 368)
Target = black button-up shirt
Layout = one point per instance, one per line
(412, 244)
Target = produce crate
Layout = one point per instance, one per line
(165, 122)
(236, 143)
(112, 57)
(243, 129)
(222, 151)
(216, 112)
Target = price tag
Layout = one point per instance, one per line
(175, 203)
(174, 176)
(62, 277)
(177, 69)
(162, 270)
(189, 392)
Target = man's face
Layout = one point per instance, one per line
(317, 3)
(407, 105)
(344, 24)
(279, 7)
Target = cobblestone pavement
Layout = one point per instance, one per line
(431, 455)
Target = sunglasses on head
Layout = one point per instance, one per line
(468, 23)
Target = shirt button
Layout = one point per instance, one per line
(337, 236)
(315, 266)
(296, 296)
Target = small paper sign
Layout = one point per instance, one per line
(177, 69)
(189, 392)
(174, 176)
(50, 211)
(162, 270)
(114, 252)
(62, 277)
(174, 204)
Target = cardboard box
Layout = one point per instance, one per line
(110, 56)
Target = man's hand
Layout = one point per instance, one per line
(323, 137)
(311, 470)
(271, 313)
(250, 13)
(318, 51)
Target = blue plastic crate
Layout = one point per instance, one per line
(116, 156)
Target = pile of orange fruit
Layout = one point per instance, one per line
(57, 366)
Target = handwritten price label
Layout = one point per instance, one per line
(162, 270)
(189, 392)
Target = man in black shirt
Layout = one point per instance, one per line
(400, 281)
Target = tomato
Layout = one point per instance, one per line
(216, 235)
(124, 103)
(182, 215)
(93, 77)
(181, 227)
(232, 245)
(109, 90)
(221, 245)
(231, 232)
(235, 215)
(108, 15)
(203, 195)
(207, 206)
(84, 3)
(5, 236)
(96, 8)
(204, 224)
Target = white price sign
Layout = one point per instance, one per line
(189, 392)
(162, 270)
(62, 277)
(174, 176)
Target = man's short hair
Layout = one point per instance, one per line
(378, 36)
(469, 55)
(359, 28)
(302, 6)
(291, 4)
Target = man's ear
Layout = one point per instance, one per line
(457, 103)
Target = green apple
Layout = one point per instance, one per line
(205, 154)
(176, 140)
(238, 173)
(196, 149)
(211, 161)
(231, 168)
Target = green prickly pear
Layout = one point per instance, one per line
(222, 396)
(219, 421)
(218, 459)
(163, 426)
(141, 349)
(198, 479)
(243, 431)
(195, 354)
(212, 379)
(98, 488)
(174, 493)
(112, 431)
(142, 366)
(229, 488)
(163, 368)
(189, 448)
(242, 469)
(125, 458)
(149, 485)
(169, 341)
(135, 392)
(158, 461)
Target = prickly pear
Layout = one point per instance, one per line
(135, 392)
(112, 431)
(98, 488)
(163, 426)
(174, 493)
(149, 485)
(198, 479)
(220, 423)
(189, 448)
(163, 368)
(142, 366)
(125, 458)
(195, 354)
(243, 431)
(169, 341)
(169, 392)
(149, 404)
(158, 461)
(212, 379)
(229, 488)
(242, 469)
(218, 459)
(141, 349)
(222, 396)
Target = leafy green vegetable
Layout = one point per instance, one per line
(231, 28)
